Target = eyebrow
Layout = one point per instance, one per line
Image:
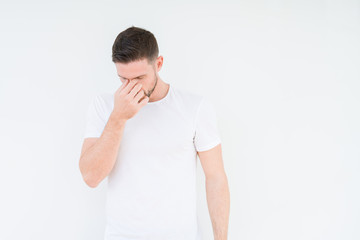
(134, 77)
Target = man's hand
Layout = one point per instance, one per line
(127, 100)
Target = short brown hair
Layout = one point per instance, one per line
(134, 44)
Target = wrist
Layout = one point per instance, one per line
(117, 119)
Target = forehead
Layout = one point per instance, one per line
(132, 69)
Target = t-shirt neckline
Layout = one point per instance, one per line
(164, 99)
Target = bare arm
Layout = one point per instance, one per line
(217, 191)
(218, 199)
(98, 155)
(97, 160)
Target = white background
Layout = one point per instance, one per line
(282, 75)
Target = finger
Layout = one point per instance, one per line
(135, 89)
(124, 84)
(138, 96)
(129, 87)
(144, 101)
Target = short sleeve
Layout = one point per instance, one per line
(95, 119)
(206, 130)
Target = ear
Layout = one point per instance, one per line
(159, 63)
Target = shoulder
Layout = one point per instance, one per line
(193, 102)
(105, 99)
(103, 103)
(187, 98)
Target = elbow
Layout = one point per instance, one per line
(91, 182)
(219, 178)
(88, 178)
(92, 185)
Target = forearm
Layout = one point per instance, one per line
(218, 200)
(99, 159)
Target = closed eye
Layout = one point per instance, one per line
(135, 78)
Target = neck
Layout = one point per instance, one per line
(160, 91)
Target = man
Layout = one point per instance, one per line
(145, 138)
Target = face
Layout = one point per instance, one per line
(140, 72)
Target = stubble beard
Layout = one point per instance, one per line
(152, 90)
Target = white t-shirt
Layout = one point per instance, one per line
(152, 188)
